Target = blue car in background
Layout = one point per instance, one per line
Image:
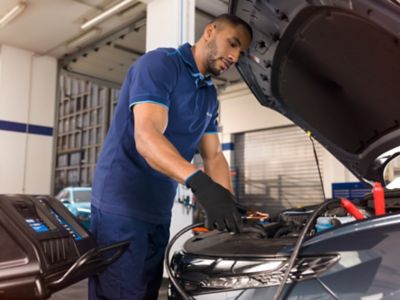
(77, 200)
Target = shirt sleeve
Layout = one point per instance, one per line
(212, 127)
(152, 79)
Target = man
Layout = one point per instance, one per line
(167, 109)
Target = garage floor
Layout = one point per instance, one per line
(78, 291)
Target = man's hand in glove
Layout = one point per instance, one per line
(222, 211)
(218, 203)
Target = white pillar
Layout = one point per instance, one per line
(169, 23)
(27, 102)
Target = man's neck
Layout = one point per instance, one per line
(198, 59)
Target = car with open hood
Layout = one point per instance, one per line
(332, 67)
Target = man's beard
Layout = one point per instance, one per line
(211, 59)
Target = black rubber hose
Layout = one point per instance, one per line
(173, 280)
(298, 245)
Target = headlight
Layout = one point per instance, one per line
(202, 275)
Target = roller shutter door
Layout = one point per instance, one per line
(276, 169)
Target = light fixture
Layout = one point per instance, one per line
(12, 14)
(132, 10)
(88, 35)
(109, 12)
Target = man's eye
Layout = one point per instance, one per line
(233, 44)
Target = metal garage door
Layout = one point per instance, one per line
(277, 169)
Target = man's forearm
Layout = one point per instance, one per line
(218, 170)
(162, 156)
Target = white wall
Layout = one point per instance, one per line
(169, 23)
(27, 97)
(240, 111)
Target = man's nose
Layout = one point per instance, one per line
(234, 56)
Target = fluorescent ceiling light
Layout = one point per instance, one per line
(88, 35)
(106, 14)
(133, 10)
(12, 14)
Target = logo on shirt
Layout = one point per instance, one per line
(209, 114)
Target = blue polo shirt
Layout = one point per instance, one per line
(123, 182)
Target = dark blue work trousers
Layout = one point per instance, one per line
(137, 274)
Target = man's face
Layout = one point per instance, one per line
(224, 47)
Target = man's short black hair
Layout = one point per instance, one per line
(233, 21)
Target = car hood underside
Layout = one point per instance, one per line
(332, 70)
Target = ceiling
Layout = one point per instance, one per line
(52, 27)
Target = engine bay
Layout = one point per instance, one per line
(215, 261)
(283, 229)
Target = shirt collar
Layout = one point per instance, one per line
(185, 52)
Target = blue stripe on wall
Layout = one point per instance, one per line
(12, 126)
(22, 127)
(38, 129)
(227, 146)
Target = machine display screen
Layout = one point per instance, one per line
(37, 225)
(64, 223)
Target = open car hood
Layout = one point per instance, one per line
(333, 68)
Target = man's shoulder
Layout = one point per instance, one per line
(161, 54)
(161, 60)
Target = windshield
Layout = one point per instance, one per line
(82, 196)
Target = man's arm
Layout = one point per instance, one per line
(215, 164)
(151, 120)
(217, 168)
(150, 123)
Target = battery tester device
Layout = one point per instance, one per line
(43, 248)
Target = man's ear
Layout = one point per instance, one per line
(208, 32)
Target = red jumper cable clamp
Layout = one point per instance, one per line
(351, 209)
(379, 199)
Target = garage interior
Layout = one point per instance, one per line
(61, 70)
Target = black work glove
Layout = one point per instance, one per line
(218, 203)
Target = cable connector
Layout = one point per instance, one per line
(351, 209)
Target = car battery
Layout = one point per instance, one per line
(43, 248)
